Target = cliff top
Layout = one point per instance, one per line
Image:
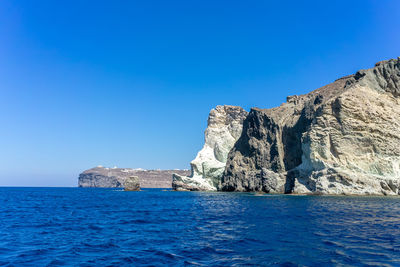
(384, 75)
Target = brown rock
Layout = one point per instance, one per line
(132, 184)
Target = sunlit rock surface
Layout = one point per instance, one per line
(343, 138)
(115, 177)
(223, 129)
(132, 183)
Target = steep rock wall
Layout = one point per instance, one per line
(224, 126)
(340, 139)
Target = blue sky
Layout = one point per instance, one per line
(130, 83)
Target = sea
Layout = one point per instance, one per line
(155, 227)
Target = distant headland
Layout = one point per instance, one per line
(115, 177)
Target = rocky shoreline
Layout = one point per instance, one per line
(342, 138)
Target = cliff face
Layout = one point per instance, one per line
(342, 138)
(116, 177)
(224, 126)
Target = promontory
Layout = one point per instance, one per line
(343, 138)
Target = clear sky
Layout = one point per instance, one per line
(131, 83)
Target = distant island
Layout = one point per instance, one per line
(115, 177)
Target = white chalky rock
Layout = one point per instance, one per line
(224, 128)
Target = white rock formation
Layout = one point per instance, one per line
(224, 128)
(354, 145)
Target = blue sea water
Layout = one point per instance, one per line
(110, 227)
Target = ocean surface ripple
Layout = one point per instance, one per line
(110, 227)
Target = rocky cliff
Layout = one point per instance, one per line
(224, 126)
(115, 177)
(342, 138)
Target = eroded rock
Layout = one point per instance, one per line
(342, 138)
(132, 184)
(224, 127)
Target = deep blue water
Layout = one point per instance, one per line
(97, 227)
